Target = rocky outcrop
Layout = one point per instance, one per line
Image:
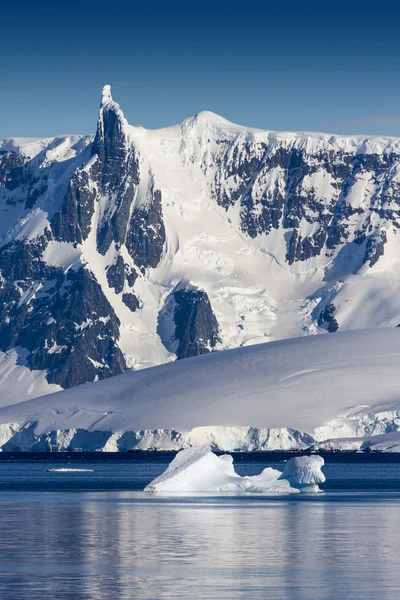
(196, 327)
(72, 221)
(113, 225)
(115, 171)
(295, 189)
(116, 275)
(146, 235)
(62, 319)
(375, 248)
(110, 144)
(131, 301)
(327, 318)
(10, 169)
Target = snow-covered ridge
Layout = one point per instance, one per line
(308, 141)
(31, 147)
(285, 395)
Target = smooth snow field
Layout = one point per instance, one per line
(332, 391)
(94, 535)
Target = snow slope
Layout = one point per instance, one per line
(18, 381)
(281, 395)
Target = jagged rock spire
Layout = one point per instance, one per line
(116, 173)
(110, 143)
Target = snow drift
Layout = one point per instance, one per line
(199, 470)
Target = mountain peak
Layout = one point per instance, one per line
(110, 143)
(106, 95)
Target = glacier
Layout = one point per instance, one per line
(197, 469)
(327, 392)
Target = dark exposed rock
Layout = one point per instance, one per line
(293, 246)
(327, 318)
(71, 223)
(114, 224)
(116, 172)
(64, 320)
(131, 301)
(375, 248)
(33, 195)
(146, 235)
(196, 327)
(16, 172)
(290, 201)
(256, 219)
(242, 166)
(302, 249)
(118, 273)
(130, 275)
(110, 145)
(10, 169)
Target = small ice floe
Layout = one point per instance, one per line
(69, 470)
(199, 470)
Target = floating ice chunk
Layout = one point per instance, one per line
(304, 472)
(199, 470)
(69, 470)
(268, 482)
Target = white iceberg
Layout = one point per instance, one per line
(199, 470)
(304, 472)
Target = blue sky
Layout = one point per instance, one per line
(295, 66)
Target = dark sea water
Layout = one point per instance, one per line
(97, 536)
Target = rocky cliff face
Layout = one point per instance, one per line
(196, 327)
(135, 247)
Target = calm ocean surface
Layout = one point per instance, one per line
(96, 536)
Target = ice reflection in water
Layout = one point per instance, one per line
(116, 545)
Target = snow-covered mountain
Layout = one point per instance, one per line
(290, 394)
(136, 247)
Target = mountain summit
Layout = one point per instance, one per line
(106, 95)
(135, 247)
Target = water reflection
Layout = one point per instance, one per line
(113, 545)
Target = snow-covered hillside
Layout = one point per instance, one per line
(282, 395)
(132, 248)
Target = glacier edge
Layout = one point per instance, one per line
(384, 435)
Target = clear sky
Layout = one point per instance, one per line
(310, 66)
